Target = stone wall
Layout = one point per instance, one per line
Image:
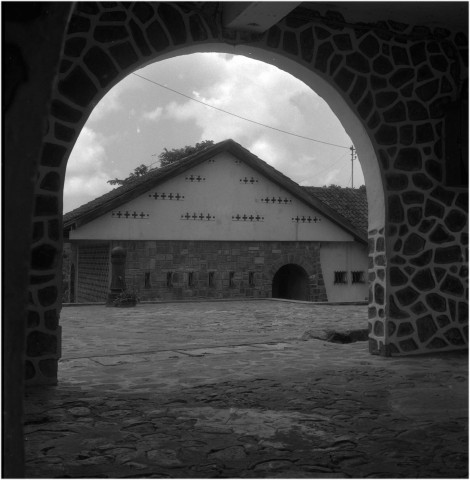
(149, 263)
(404, 83)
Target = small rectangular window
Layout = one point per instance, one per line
(341, 277)
(358, 277)
(211, 279)
(231, 279)
(251, 279)
(147, 280)
(169, 279)
(190, 279)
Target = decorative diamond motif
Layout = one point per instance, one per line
(246, 218)
(198, 216)
(304, 219)
(134, 215)
(164, 196)
(193, 178)
(247, 180)
(278, 200)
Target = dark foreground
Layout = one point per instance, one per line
(231, 389)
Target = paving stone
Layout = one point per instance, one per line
(230, 454)
(277, 407)
(164, 458)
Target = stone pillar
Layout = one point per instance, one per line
(118, 274)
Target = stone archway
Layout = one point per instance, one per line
(389, 84)
(291, 282)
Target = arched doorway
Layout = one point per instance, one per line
(393, 112)
(290, 282)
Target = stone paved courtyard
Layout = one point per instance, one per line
(242, 389)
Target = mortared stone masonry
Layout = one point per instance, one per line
(406, 84)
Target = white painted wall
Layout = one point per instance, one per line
(221, 195)
(347, 257)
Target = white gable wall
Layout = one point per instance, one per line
(221, 193)
(344, 257)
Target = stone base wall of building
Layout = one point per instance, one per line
(175, 270)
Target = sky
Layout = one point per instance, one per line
(137, 119)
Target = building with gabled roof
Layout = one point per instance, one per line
(222, 223)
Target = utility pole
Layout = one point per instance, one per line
(353, 156)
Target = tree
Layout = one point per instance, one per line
(169, 156)
(166, 158)
(138, 172)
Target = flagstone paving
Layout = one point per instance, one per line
(242, 390)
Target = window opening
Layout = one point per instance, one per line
(190, 279)
(211, 279)
(341, 277)
(251, 279)
(147, 280)
(231, 279)
(169, 279)
(358, 277)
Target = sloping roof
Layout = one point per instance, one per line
(140, 185)
(351, 203)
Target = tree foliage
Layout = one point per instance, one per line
(138, 172)
(167, 157)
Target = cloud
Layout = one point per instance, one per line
(137, 119)
(113, 101)
(88, 170)
(153, 114)
(269, 97)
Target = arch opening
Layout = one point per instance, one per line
(290, 282)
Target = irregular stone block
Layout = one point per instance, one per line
(33, 319)
(307, 44)
(51, 182)
(110, 33)
(47, 296)
(396, 214)
(344, 79)
(397, 277)
(422, 181)
(408, 159)
(454, 336)
(406, 134)
(39, 344)
(423, 280)
(46, 205)
(455, 221)
(437, 343)
(414, 215)
(124, 54)
(405, 329)
(78, 87)
(451, 254)
(394, 311)
(426, 328)
(408, 345)
(157, 36)
(407, 296)
(414, 244)
(439, 235)
(453, 286)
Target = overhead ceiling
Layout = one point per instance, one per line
(260, 16)
(450, 15)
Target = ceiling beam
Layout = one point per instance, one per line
(255, 16)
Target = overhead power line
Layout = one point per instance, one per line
(238, 116)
